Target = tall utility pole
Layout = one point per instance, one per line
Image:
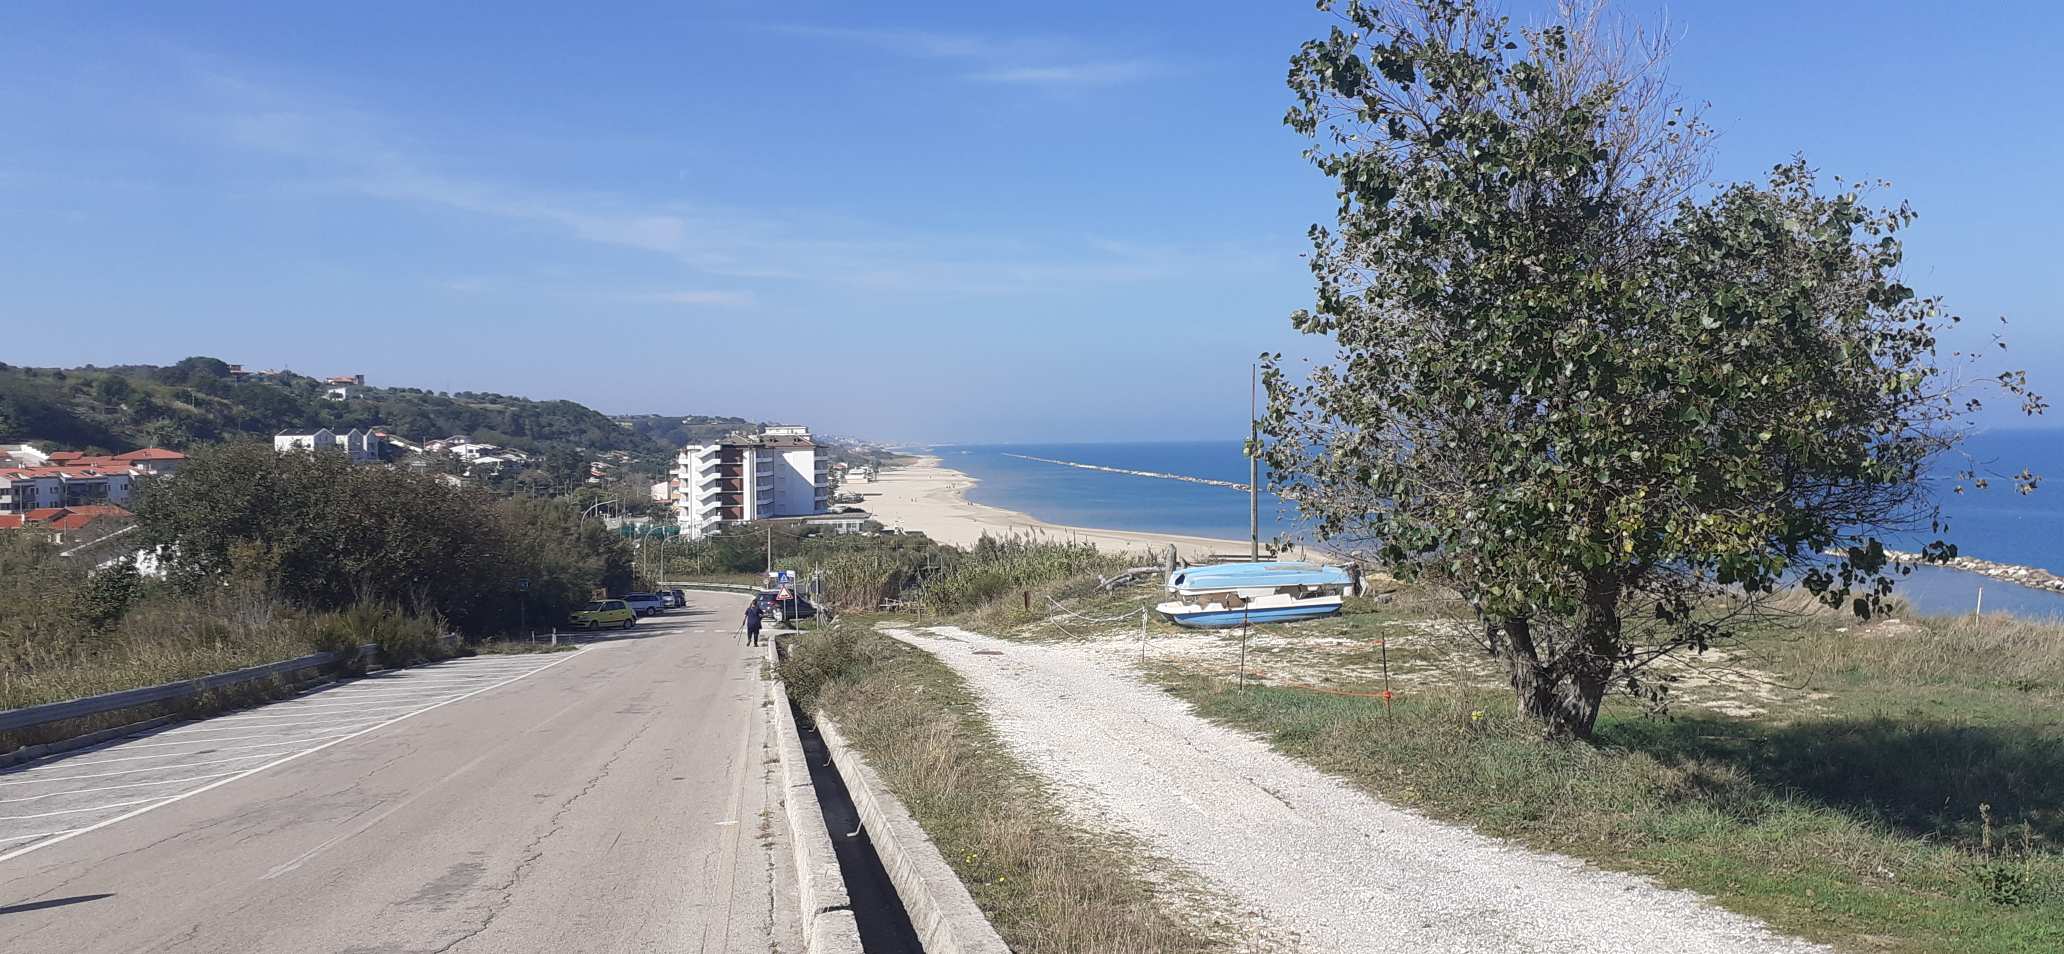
(1253, 465)
(770, 548)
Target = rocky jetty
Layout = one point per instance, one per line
(1136, 473)
(2029, 576)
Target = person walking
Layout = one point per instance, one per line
(752, 623)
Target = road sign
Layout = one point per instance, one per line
(523, 584)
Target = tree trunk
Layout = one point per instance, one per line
(1533, 682)
(1563, 693)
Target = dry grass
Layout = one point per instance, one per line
(1995, 651)
(1903, 792)
(161, 640)
(168, 637)
(1049, 886)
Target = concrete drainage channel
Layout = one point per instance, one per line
(870, 879)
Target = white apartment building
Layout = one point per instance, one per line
(750, 477)
(802, 484)
(354, 443)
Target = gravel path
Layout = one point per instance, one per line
(1328, 867)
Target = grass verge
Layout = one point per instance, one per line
(1048, 886)
(1916, 807)
(169, 640)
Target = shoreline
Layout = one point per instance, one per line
(930, 497)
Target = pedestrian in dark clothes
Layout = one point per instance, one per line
(752, 623)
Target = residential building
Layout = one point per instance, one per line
(26, 489)
(34, 480)
(238, 372)
(802, 482)
(776, 473)
(64, 523)
(354, 443)
(152, 461)
(337, 394)
(353, 380)
(400, 442)
(24, 455)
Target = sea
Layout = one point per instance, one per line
(1996, 523)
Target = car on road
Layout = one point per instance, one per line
(646, 604)
(600, 614)
(783, 606)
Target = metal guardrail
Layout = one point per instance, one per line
(130, 698)
(711, 587)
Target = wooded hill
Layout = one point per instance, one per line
(198, 401)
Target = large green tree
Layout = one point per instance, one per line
(1607, 405)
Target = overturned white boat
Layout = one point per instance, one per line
(1232, 594)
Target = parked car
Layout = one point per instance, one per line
(783, 606)
(646, 604)
(601, 613)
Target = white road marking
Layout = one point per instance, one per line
(40, 834)
(110, 788)
(154, 768)
(292, 706)
(71, 811)
(276, 723)
(226, 748)
(223, 738)
(148, 804)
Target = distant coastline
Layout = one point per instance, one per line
(931, 497)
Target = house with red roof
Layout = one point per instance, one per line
(153, 461)
(75, 479)
(64, 524)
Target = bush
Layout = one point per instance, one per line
(997, 567)
(327, 535)
(402, 639)
(818, 659)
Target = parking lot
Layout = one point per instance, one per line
(62, 796)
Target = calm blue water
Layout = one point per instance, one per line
(1994, 524)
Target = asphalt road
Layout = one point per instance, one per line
(620, 798)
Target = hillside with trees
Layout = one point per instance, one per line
(199, 401)
(677, 430)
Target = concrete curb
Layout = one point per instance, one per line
(940, 908)
(828, 924)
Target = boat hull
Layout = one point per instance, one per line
(1190, 614)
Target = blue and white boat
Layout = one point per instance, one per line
(1232, 594)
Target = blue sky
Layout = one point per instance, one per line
(922, 221)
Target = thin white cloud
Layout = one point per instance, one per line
(349, 150)
(1078, 74)
(1020, 61)
(695, 297)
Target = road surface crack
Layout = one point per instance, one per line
(535, 850)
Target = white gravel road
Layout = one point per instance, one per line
(1327, 867)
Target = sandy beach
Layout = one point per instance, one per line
(931, 497)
